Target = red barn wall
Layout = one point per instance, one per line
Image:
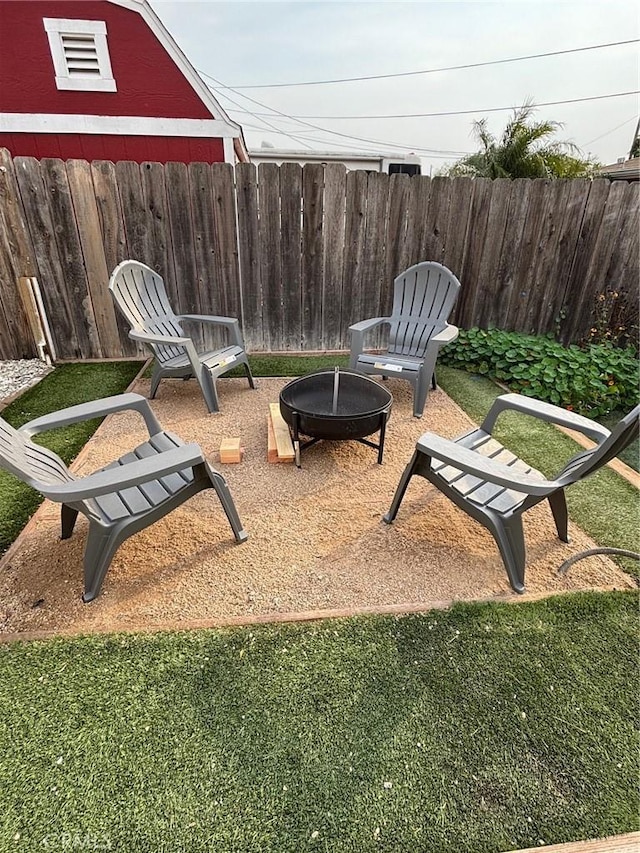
(149, 83)
(76, 146)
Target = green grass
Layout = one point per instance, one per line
(485, 728)
(67, 385)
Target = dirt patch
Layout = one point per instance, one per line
(316, 537)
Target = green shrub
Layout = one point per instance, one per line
(592, 380)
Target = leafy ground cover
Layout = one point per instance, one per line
(484, 729)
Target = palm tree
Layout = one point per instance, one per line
(523, 151)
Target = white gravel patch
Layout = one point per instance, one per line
(17, 375)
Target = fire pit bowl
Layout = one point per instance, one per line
(335, 405)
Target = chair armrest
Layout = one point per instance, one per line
(153, 338)
(366, 325)
(231, 323)
(94, 409)
(483, 466)
(124, 476)
(546, 412)
(446, 335)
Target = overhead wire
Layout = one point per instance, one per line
(437, 70)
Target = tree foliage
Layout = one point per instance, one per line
(524, 150)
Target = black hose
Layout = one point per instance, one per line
(621, 552)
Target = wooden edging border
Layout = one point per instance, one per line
(247, 621)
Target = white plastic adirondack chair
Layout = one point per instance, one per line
(423, 298)
(495, 487)
(123, 498)
(140, 295)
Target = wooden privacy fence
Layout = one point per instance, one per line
(298, 254)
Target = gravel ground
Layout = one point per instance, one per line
(316, 537)
(17, 375)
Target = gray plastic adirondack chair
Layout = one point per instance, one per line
(140, 295)
(423, 298)
(125, 496)
(495, 487)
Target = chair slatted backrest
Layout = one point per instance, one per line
(33, 464)
(426, 294)
(588, 461)
(141, 296)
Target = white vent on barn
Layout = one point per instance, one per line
(80, 54)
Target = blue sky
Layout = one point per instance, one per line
(247, 43)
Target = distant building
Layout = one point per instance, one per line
(104, 80)
(390, 164)
(623, 170)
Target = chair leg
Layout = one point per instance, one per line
(407, 474)
(509, 536)
(209, 391)
(68, 517)
(420, 393)
(252, 383)
(102, 544)
(156, 376)
(220, 485)
(558, 504)
(434, 384)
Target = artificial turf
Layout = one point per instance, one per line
(484, 728)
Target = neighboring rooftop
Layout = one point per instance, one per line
(627, 170)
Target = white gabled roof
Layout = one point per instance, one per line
(202, 90)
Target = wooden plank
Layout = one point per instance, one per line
(396, 231)
(55, 293)
(73, 273)
(312, 255)
(629, 843)
(436, 218)
(225, 233)
(88, 223)
(183, 241)
(272, 447)
(417, 204)
(506, 278)
(334, 235)
(492, 291)
(377, 292)
(580, 296)
(230, 450)
(291, 253)
(114, 241)
(466, 308)
(284, 444)
(554, 270)
(16, 260)
(270, 257)
(134, 212)
(355, 306)
(533, 227)
(457, 224)
(159, 244)
(247, 201)
(207, 280)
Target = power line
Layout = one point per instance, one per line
(456, 112)
(396, 145)
(436, 70)
(602, 135)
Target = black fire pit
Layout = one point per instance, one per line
(335, 405)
